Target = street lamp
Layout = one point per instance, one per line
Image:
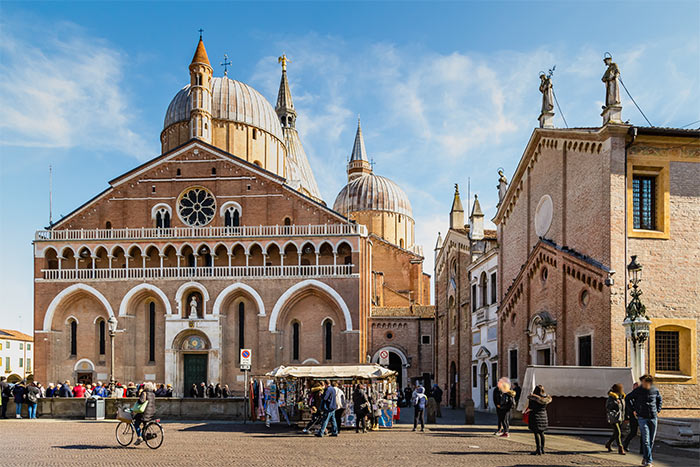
(636, 322)
(112, 322)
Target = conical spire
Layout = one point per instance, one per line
(476, 208)
(200, 55)
(457, 211)
(457, 201)
(359, 153)
(285, 106)
(438, 244)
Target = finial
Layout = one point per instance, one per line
(200, 33)
(226, 63)
(476, 196)
(456, 188)
(283, 60)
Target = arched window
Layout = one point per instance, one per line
(162, 219)
(152, 332)
(401, 242)
(328, 338)
(295, 341)
(484, 286)
(108, 225)
(287, 221)
(241, 325)
(232, 218)
(73, 338)
(213, 170)
(102, 336)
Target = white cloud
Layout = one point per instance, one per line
(66, 91)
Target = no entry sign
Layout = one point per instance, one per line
(384, 357)
(246, 358)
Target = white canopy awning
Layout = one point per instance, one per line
(574, 381)
(332, 371)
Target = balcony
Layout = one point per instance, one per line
(204, 272)
(245, 231)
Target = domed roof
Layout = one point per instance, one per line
(231, 100)
(370, 192)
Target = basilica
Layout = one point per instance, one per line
(223, 242)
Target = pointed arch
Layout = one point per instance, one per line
(216, 310)
(68, 291)
(313, 283)
(140, 288)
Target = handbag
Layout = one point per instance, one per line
(526, 417)
(139, 407)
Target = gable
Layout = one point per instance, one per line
(263, 196)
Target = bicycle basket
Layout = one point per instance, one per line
(124, 415)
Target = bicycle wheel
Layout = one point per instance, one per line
(153, 435)
(125, 433)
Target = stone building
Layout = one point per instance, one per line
(465, 261)
(223, 242)
(16, 355)
(582, 201)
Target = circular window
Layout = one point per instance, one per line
(389, 335)
(544, 274)
(585, 297)
(196, 207)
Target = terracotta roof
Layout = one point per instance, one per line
(16, 335)
(415, 311)
(200, 55)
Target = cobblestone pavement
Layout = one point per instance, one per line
(55, 443)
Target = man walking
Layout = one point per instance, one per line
(340, 405)
(646, 405)
(329, 406)
(5, 393)
(437, 395)
(633, 425)
(419, 402)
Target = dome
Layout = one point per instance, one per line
(370, 192)
(232, 101)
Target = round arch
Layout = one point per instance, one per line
(191, 285)
(68, 291)
(144, 287)
(216, 310)
(404, 361)
(79, 365)
(312, 283)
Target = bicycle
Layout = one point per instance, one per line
(152, 432)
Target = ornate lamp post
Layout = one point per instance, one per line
(112, 323)
(636, 322)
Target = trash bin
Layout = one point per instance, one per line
(94, 408)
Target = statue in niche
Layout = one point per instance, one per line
(193, 307)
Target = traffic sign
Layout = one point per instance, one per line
(384, 357)
(246, 359)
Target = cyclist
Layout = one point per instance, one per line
(140, 419)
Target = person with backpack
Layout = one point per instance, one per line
(33, 396)
(19, 391)
(419, 402)
(615, 411)
(646, 405)
(5, 394)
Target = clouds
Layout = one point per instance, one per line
(67, 91)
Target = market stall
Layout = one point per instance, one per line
(284, 392)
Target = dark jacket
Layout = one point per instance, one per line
(437, 394)
(150, 410)
(19, 391)
(132, 392)
(33, 394)
(538, 412)
(360, 402)
(65, 391)
(615, 408)
(329, 404)
(5, 389)
(645, 402)
(194, 392)
(316, 401)
(503, 400)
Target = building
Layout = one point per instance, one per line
(466, 353)
(16, 355)
(221, 243)
(581, 203)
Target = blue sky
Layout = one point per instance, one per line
(447, 91)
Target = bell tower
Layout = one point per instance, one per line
(200, 93)
(358, 164)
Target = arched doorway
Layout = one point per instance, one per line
(194, 361)
(397, 362)
(83, 371)
(454, 400)
(484, 385)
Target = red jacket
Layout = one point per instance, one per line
(79, 391)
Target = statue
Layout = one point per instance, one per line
(502, 185)
(547, 93)
(611, 78)
(193, 307)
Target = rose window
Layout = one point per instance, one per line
(197, 207)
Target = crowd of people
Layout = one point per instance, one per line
(211, 391)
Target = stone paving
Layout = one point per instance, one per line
(55, 443)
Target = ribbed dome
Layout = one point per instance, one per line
(370, 192)
(232, 101)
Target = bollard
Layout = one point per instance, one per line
(431, 409)
(469, 412)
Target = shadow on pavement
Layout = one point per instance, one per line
(83, 447)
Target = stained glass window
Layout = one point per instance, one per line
(194, 343)
(197, 207)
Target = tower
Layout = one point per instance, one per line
(359, 164)
(285, 106)
(476, 221)
(457, 211)
(200, 94)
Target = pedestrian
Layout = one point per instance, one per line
(79, 390)
(147, 397)
(194, 393)
(160, 392)
(65, 390)
(437, 395)
(537, 413)
(632, 420)
(33, 396)
(19, 391)
(210, 391)
(340, 405)
(646, 406)
(419, 402)
(131, 390)
(202, 390)
(88, 390)
(217, 391)
(407, 395)
(50, 390)
(518, 390)
(329, 407)
(316, 403)
(119, 391)
(42, 390)
(168, 390)
(99, 390)
(5, 393)
(615, 410)
(504, 400)
(225, 392)
(361, 407)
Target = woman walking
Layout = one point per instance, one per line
(538, 421)
(615, 408)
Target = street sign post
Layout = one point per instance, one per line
(384, 357)
(246, 359)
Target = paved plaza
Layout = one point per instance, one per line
(54, 442)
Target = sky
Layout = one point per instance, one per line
(447, 92)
